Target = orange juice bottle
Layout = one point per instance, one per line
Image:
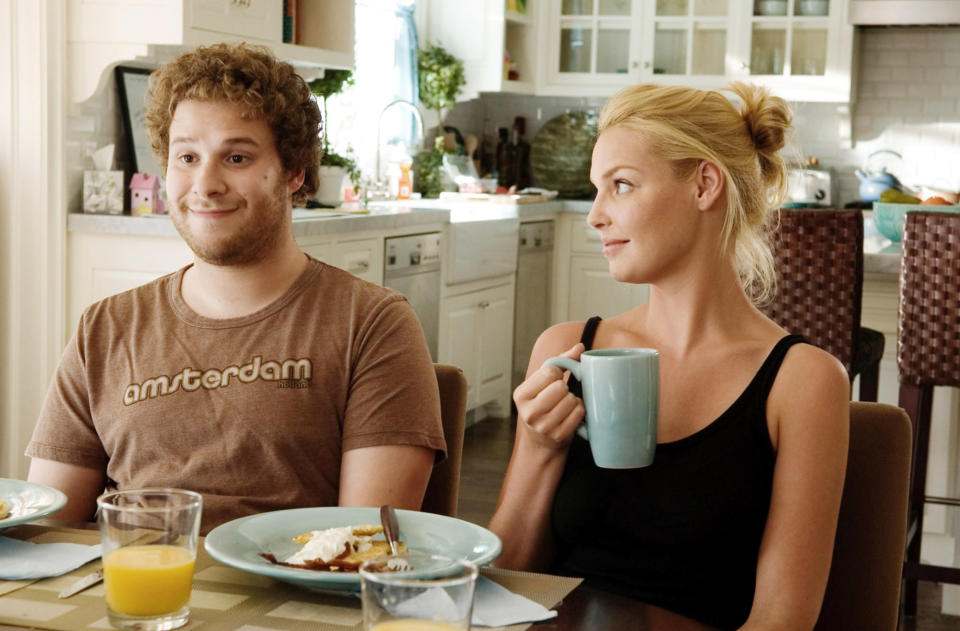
(148, 580)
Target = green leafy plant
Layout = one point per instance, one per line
(428, 170)
(441, 78)
(333, 82)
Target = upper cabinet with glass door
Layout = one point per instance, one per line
(690, 42)
(801, 49)
(591, 44)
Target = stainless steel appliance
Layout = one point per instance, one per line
(533, 297)
(411, 265)
(810, 187)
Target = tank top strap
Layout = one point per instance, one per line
(586, 338)
(589, 332)
(771, 365)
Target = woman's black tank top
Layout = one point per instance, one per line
(684, 533)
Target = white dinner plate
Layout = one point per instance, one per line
(239, 543)
(28, 501)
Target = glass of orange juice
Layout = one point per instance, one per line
(149, 540)
(433, 593)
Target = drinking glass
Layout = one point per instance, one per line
(434, 594)
(149, 539)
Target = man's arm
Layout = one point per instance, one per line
(81, 485)
(386, 474)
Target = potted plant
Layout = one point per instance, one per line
(333, 166)
(441, 79)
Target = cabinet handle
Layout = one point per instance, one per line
(744, 65)
(635, 64)
(646, 65)
(484, 304)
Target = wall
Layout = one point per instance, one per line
(908, 100)
(32, 85)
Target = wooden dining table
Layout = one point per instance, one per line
(581, 609)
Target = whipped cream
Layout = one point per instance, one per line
(327, 545)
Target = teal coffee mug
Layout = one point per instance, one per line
(621, 392)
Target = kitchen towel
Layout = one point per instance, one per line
(21, 560)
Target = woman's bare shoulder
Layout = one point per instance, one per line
(811, 384)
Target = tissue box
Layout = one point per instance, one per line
(103, 192)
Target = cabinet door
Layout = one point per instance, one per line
(363, 258)
(688, 39)
(101, 265)
(593, 42)
(496, 344)
(594, 292)
(262, 19)
(459, 339)
(801, 49)
(322, 251)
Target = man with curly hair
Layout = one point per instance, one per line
(257, 375)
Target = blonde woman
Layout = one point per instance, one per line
(732, 525)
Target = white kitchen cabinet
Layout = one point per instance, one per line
(101, 32)
(583, 286)
(594, 292)
(361, 257)
(591, 44)
(100, 265)
(259, 19)
(806, 54)
(321, 250)
(483, 34)
(597, 46)
(476, 334)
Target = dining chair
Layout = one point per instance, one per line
(443, 490)
(928, 355)
(863, 588)
(818, 255)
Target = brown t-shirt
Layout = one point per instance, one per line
(252, 412)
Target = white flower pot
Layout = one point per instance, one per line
(329, 190)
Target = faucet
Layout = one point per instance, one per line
(417, 115)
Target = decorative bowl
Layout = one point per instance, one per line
(889, 218)
(772, 7)
(814, 7)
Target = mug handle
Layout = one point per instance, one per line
(567, 364)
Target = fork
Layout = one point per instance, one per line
(388, 517)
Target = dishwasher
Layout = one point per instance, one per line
(533, 297)
(411, 266)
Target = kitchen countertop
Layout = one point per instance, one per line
(880, 255)
(306, 222)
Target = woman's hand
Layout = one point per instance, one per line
(548, 412)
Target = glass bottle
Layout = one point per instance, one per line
(504, 159)
(521, 154)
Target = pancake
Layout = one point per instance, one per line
(337, 549)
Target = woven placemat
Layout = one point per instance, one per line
(222, 597)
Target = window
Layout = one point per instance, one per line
(385, 44)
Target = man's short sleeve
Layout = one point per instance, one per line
(65, 431)
(393, 398)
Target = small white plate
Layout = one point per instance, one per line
(239, 543)
(28, 501)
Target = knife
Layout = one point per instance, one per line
(87, 581)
